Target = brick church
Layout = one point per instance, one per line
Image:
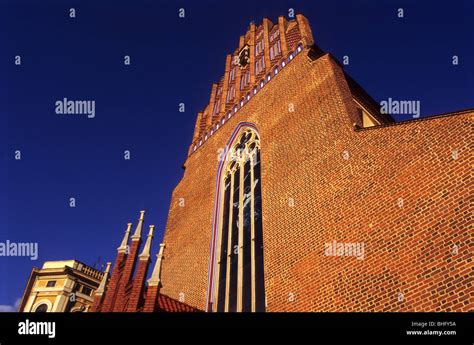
(298, 194)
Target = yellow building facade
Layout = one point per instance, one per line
(61, 286)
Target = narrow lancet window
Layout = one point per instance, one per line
(240, 271)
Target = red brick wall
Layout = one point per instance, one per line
(139, 281)
(124, 288)
(113, 285)
(410, 262)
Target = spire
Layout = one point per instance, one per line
(145, 255)
(155, 276)
(138, 231)
(103, 283)
(123, 246)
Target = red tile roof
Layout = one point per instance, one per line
(170, 305)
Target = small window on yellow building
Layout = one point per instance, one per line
(51, 283)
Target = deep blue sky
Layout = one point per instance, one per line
(173, 60)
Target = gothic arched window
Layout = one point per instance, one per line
(239, 283)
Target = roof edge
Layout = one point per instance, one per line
(425, 118)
